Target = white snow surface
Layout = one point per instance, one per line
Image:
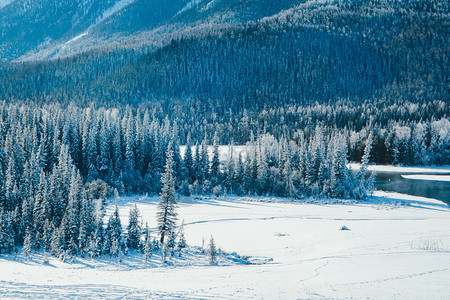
(119, 5)
(76, 38)
(398, 169)
(189, 5)
(397, 247)
(3, 3)
(428, 177)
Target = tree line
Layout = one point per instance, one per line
(58, 166)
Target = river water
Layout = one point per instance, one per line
(394, 182)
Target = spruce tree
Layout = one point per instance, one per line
(148, 244)
(113, 237)
(31, 242)
(134, 230)
(97, 241)
(212, 251)
(47, 235)
(7, 242)
(362, 188)
(189, 162)
(166, 214)
(72, 218)
(339, 172)
(181, 240)
(262, 170)
(215, 162)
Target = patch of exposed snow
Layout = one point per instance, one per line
(428, 177)
(397, 169)
(209, 5)
(191, 4)
(75, 38)
(121, 4)
(3, 3)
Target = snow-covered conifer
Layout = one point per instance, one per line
(212, 251)
(134, 229)
(147, 244)
(166, 214)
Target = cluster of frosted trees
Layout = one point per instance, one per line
(63, 217)
(58, 166)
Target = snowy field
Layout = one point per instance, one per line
(398, 247)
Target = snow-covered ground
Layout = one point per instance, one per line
(398, 247)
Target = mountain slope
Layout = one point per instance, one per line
(312, 52)
(30, 25)
(47, 29)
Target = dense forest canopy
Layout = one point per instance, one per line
(356, 50)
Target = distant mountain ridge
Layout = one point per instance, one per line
(49, 29)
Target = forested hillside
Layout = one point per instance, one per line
(48, 29)
(310, 53)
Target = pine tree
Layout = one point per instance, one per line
(134, 230)
(166, 214)
(181, 240)
(148, 244)
(171, 243)
(339, 172)
(11, 185)
(215, 162)
(87, 226)
(197, 166)
(204, 161)
(362, 188)
(212, 251)
(287, 173)
(27, 244)
(47, 235)
(72, 218)
(58, 243)
(97, 241)
(2, 178)
(189, 163)
(7, 243)
(262, 171)
(113, 236)
(105, 165)
(39, 210)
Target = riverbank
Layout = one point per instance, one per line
(430, 182)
